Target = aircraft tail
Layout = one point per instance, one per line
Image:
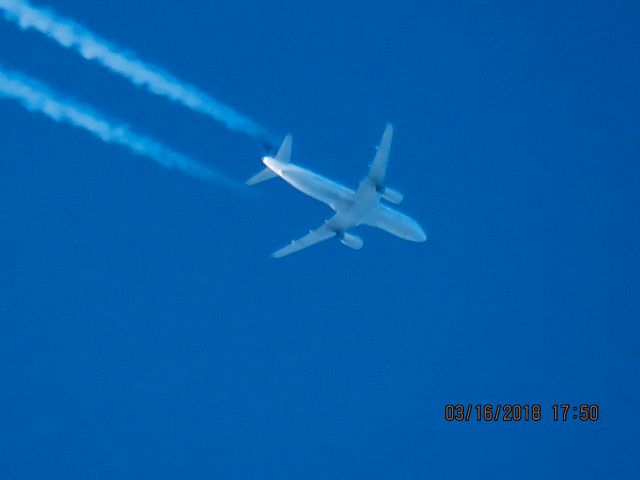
(283, 156)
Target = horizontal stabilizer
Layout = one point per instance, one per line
(267, 146)
(261, 176)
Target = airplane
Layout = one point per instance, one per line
(353, 208)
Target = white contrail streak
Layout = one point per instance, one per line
(73, 36)
(36, 97)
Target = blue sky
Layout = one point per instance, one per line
(146, 333)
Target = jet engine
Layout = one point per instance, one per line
(350, 240)
(389, 194)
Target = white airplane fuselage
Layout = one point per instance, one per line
(360, 207)
(352, 208)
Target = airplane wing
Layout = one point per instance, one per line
(311, 238)
(378, 168)
(373, 183)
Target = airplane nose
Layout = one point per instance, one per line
(418, 234)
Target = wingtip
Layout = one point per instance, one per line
(280, 252)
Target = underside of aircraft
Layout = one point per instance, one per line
(353, 208)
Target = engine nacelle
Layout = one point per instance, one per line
(351, 241)
(391, 195)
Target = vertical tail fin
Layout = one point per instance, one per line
(284, 152)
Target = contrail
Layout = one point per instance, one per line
(36, 97)
(73, 36)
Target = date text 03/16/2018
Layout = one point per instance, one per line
(514, 412)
